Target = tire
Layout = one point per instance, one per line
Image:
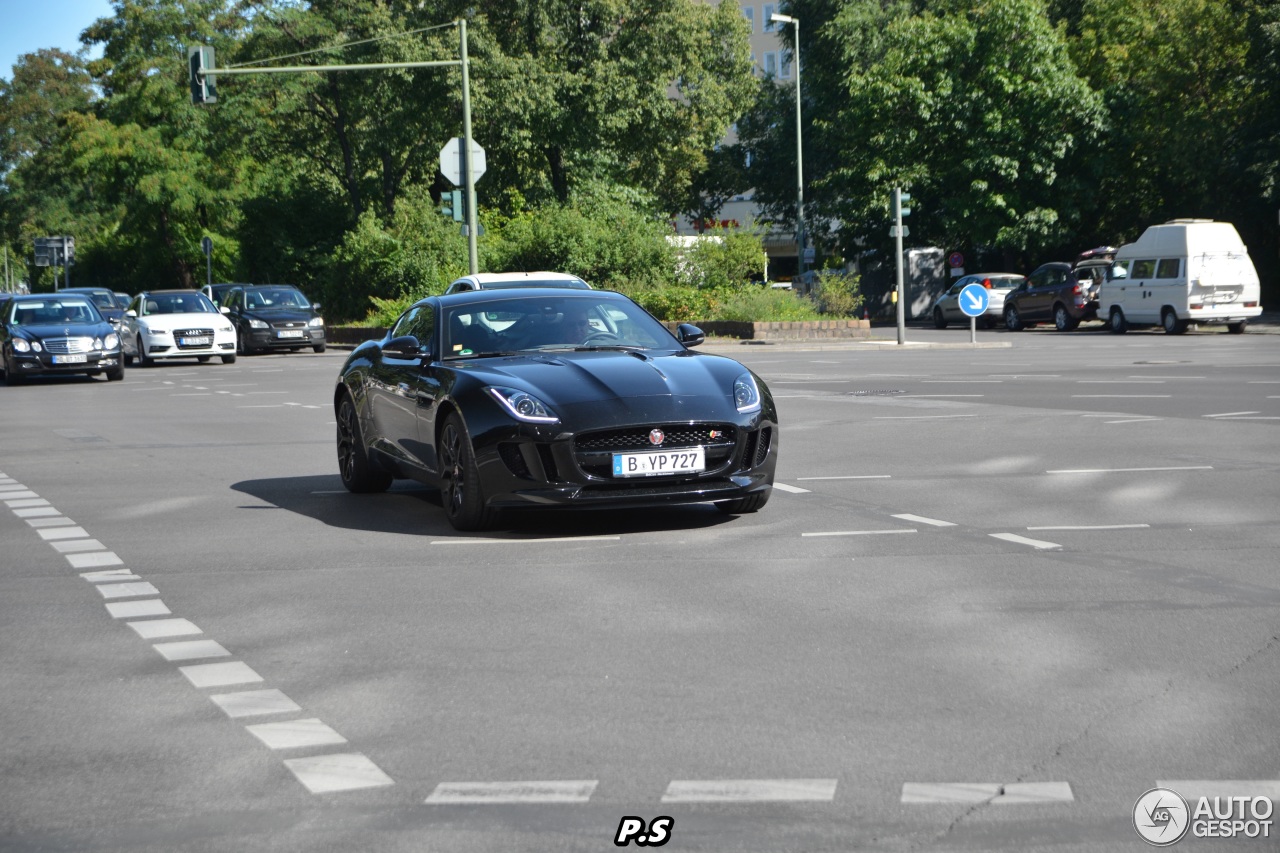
(128, 359)
(1117, 323)
(461, 495)
(317, 348)
(358, 474)
(203, 359)
(1172, 325)
(1237, 328)
(1012, 320)
(939, 321)
(242, 347)
(229, 359)
(115, 374)
(742, 506)
(1063, 321)
(11, 377)
(143, 358)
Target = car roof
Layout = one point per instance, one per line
(32, 297)
(466, 297)
(519, 279)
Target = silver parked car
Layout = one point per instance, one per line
(947, 308)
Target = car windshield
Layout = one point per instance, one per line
(53, 312)
(1003, 282)
(177, 303)
(275, 298)
(551, 324)
(103, 298)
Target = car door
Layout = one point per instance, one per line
(1138, 297)
(950, 302)
(129, 326)
(399, 384)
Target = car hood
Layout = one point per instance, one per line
(169, 322)
(281, 315)
(642, 382)
(63, 330)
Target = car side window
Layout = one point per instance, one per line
(1144, 268)
(1168, 268)
(419, 322)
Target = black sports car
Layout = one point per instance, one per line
(544, 398)
(51, 334)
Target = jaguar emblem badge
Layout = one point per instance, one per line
(657, 436)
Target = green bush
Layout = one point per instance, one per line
(724, 258)
(763, 304)
(839, 294)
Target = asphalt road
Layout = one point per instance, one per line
(998, 594)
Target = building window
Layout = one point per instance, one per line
(749, 12)
(771, 63)
(766, 19)
(784, 69)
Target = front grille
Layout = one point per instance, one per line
(594, 451)
(289, 324)
(67, 346)
(179, 335)
(762, 449)
(637, 438)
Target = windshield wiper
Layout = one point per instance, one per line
(608, 348)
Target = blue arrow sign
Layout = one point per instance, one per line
(974, 299)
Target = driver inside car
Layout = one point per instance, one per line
(574, 327)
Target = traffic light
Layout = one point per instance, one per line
(453, 205)
(904, 200)
(200, 63)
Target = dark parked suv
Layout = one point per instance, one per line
(272, 317)
(1051, 293)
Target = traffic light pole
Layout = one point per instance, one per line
(897, 245)
(199, 73)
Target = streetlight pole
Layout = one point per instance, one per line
(800, 264)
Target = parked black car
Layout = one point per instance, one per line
(1052, 292)
(273, 317)
(552, 398)
(55, 334)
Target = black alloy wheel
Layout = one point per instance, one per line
(358, 475)
(143, 358)
(939, 321)
(461, 495)
(1012, 320)
(1062, 320)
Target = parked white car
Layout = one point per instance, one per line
(162, 324)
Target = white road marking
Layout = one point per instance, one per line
(153, 628)
(1231, 414)
(750, 791)
(795, 490)
(56, 521)
(13, 499)
(109, 575)
(68, 546)
(323, 774)
(253, 703)
(919, 417)
(922, 520)
(1013, 793)
(1022, 540)
(857, 532)
(1133, 421)
(94, 559)
(37, 511)
(134, 609)
(1129, 381)
(1128, 470)
(1092, 527)
(295, 733)
(494, 793)
(127, 590)
(491, 541)
(915, 396)
(191, 650)
(850, 477)
(1121, 396)
(219, 674)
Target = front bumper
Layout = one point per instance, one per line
(263, 339)
(45, 364)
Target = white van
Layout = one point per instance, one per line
(1184, 271)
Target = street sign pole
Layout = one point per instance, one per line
(974, 299)
(473, 256)
(897, 253)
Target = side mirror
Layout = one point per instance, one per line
(689, 334)
(405, 346)
(315, 305)
(131, 313)
(223, 309)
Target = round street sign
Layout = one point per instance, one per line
(955, 259)
(974, 299)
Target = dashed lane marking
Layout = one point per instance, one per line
(498, 793)
(857, 532)
(850, 477)
(1091, 527)
(750, 791)
(219, 674)
(255, 703)
(922, 520)
(325, 774)
(295, 733)
(155, 628)
(1231, 414)
(1129, 470)
(996, 793)
(795, 490)
(1022, 540)
(191, 650)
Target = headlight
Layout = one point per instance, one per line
(111, 341)
(257, 324)
(155, 333)
(21, 345)
(746, 396)
(316, 321)
(523, 406)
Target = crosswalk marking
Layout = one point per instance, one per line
(494, 793)
(750, 790)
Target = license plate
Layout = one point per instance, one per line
(194, 342)
(293, 333)
(70, 359)
(653, 463)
